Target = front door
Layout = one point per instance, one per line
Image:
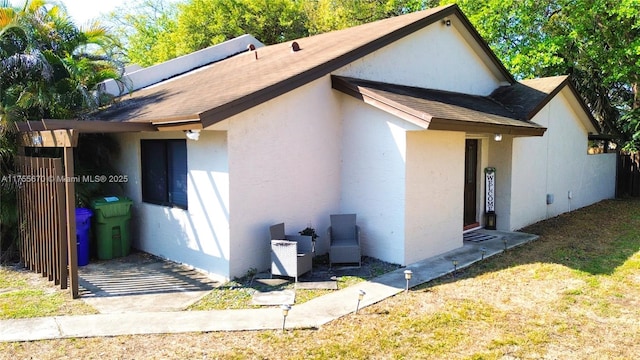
(470, 182)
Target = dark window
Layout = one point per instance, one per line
(164, 172)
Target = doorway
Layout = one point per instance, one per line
(470, 183)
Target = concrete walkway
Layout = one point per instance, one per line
(311, 314)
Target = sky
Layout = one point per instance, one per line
(84, 10)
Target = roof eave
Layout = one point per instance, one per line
(84, 126)
(426, 121)
(417, 118)
(584, 106)
(476, 127)
(484, 45)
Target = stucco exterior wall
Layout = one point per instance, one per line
(436, 57)
(557, 164)
(598, 182)
(373, 177)
(198, 236)
(315, 151)
(500, 157)
(273, 163)
(434, 193)
(284, 162)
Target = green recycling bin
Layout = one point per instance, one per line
(111, 218)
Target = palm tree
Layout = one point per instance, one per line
(16, 63)
(54, 66)
(49, 68)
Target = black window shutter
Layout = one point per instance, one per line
(177, 169)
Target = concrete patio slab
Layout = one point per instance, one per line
(148, 283)
(311, 314)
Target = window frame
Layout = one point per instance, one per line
(165, 169)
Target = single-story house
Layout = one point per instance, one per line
(396, 120)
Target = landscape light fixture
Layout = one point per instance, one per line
(285, 311)
(361, 295)
(455, 265)
(484, 251)
(407, 276)
(504, 240)
(497, 137)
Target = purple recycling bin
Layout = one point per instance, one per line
(83, 232)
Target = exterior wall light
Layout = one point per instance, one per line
(192, 134)
(497, 137)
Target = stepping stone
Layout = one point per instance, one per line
(269, 298)
(317, 285)
(272, 282)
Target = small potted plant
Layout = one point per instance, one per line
(309, 231)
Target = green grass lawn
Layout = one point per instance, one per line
(237, 294)
(26, 295)
(572, 294)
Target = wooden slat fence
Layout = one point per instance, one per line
(628, 177)
(42, 216)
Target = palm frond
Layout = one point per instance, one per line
(25, 66)
(7, 16)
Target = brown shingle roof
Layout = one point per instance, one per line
(438, 110)
(217, 91)
(527, 97)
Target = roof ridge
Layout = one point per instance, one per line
(544, 78)
(485, 97)
(505, 106)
